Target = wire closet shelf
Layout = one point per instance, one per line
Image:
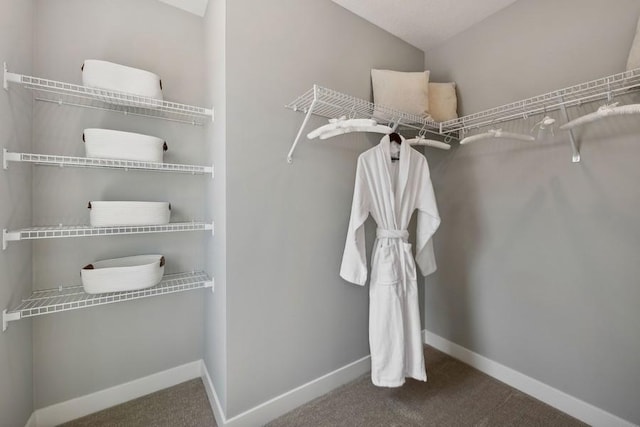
(594, 90)
(126, 103)
(329, 103)
(62, 231)
(88, 162)
(332, 104)
(74, 297)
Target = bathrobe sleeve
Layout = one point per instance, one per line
(428, 222)
(354, 258)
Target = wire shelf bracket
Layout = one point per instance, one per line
(96, 163)
(65, 298)
(61, 231)
(62, 93)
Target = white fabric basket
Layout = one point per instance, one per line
(115, 144)
(122, 274)
(117, 213)
(120, 78)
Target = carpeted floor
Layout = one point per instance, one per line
(183, 405)
(455, 395)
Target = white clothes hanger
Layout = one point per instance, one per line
(341, 124)
(496, 133)
(421, 140)
(342, 130)
(544, 124)
(606, 110)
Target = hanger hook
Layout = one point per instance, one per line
(352, 114)
(423, 132)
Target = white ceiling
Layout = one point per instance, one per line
(197, 7)
(424, 23)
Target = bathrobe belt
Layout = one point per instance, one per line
(382, 233)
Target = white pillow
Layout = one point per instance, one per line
(407, 92)
(634, 55)
(443, 102)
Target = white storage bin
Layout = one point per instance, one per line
(120, 78)
(114, 214)
(122, 274)
(115, 144)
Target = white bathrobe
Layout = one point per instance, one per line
(390, 192)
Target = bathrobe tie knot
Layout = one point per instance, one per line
(382, 233)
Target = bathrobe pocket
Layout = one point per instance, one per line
(410, 265)
(386, 266)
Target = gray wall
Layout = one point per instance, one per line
(538, 257)
(290, 318)
(215, 325)
(16, 48)
(82, 351)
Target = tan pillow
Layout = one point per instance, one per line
(634, 55)
(443, 102)
(407, 92)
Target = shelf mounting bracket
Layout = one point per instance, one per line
(9, 77)
(8, 236)
(575, 158)
(304, 124)
(9, 157)
(8, 317)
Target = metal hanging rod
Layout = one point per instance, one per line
(89, 162)
(73, 297)
(63, 93)
(62, 231)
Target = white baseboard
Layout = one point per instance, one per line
(558, 399)
(31, 422)
(279, 405)
(214, 401)
(103, 399)
(81, 406)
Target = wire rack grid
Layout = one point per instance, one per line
(62, 231)
(88, 162)
(74, 297)
(594, 90)
(88, 97)
(333, 104)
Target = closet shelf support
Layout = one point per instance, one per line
(9, 77)
(8, 157)
(304, 124)
(575, 157)
(8, 317)
(9, 236)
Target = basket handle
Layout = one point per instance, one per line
(160, 84)
(162, 261)
(165, 147)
